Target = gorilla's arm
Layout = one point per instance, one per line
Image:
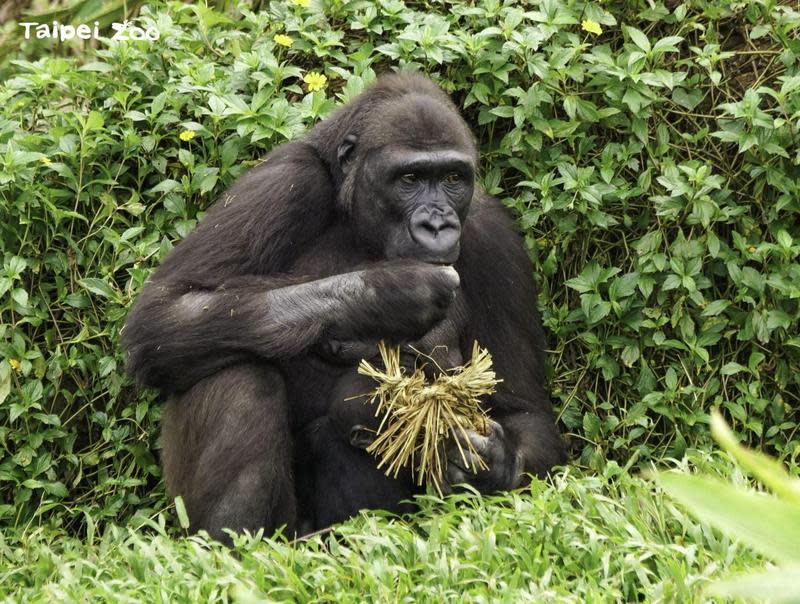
(497, 283)
(217, 299)
(178, 333)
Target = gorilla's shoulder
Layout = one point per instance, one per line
(490, 224)
(494, 259)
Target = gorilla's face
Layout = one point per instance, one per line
(409, 179)
(411, 203)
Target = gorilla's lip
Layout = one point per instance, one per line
(438, 259)
(445, 259)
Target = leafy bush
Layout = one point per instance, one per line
(652, 165)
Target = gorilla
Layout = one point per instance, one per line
(370, 227)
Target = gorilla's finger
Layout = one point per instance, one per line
(479, 441)
(451, 276)
(457, 451)
(455, 475)
(468, 462)
(496, 428)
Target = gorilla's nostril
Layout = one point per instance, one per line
(428, 226)
(435, 224)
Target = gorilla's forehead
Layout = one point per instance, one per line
(434, 158)
(418, 121)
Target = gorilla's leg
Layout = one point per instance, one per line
(344, 479)
(335, 477)
(227, 450)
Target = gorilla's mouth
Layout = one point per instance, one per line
(435, 259)
(423, 254)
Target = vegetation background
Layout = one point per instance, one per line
(649, 150)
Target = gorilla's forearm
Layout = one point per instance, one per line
(179, 333)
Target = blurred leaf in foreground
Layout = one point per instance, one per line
(768, 524)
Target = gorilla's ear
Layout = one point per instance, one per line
(345, 151)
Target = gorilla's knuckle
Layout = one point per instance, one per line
(496, 430)
(455, 475)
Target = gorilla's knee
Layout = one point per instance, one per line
(227, 451)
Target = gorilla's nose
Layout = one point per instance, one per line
(437, 231)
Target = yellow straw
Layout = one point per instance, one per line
(418, 417)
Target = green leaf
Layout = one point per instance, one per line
(773, 585)
(20, 296)
(96, 66)
(715, 308)
(766, 469)
(165, 186)
(784, 239)
(5, 380)
(732, 368)
(57, 489)
(623, 286)
(668, 44)
(208, 183)
(688, 99)
(158, 104)
(502, 111)
(136, 116)
(594, 307)
(180, 509)
(638, 38)
(591, 425)
(98, 287)
(765, 523)
(94, 121)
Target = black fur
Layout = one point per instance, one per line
(254, 324)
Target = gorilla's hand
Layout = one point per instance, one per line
(398, 301)
(497, 453)
(350, 352)
(346, 352)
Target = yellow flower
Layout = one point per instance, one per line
(15, 365)
(45, 160)
(187, 135)
(593, 27)
(282, 39)
(315, 81)
(303, 3)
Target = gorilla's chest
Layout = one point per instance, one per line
(332, 253)
(310, 378)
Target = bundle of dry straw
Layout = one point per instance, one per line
(419, 418)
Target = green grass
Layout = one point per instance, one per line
(583, 538)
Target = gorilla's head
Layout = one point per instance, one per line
(408, 173)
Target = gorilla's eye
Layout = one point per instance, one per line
(409, 178)
(453, 178)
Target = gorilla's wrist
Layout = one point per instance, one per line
(317, 300)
